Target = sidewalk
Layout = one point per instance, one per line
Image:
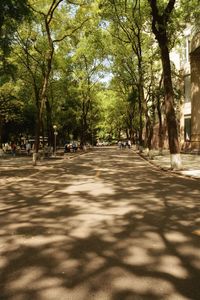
(24, 163)
(191, 163)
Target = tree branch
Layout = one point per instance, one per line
(52, 8)
(72, 32)
(168, 9)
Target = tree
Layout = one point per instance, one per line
(39, 49)
(160, 22)
(112, 114)
(129, 29)
(10, 106)
(11, 14)
(88, 65)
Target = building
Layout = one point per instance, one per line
(195, 90)
(190, 69)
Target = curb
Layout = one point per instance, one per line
(167, 170)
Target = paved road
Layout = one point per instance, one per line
(103, 226)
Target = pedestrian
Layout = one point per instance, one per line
(28, 148)
(13, 148)
(74, 146)
(120, 144)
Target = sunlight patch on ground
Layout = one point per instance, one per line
(89, 224)
(172, 265)
(196, 232)
(3, 261)
(27, 277)
(40, 240)
(176, 236)
(191, 252)
(195, 173)
(93, 188)
(141, 285)
(62, 292)
(184, 222)
(137, 256)
(102, 169)
(6, 181)
(95, 263)
(5, 206)
(148, 288)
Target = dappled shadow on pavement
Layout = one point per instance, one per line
(104, 226)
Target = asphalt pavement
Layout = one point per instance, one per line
(190, 161)
(106, 225)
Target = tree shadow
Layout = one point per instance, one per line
(104, 226)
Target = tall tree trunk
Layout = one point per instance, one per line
(169, 103)
(50, 133)
(84, 126)
(159, 28)
(37, 126)
(1, 127)
(140, 120)
(141, 98)
(161, 131)
(150, 122)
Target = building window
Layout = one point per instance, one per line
(187, 129)
(185, 57)
(187, 88)
(187, 49)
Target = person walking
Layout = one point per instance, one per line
(13, 148)
(28, 148)
(129, 144)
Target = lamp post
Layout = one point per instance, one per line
(55, 134)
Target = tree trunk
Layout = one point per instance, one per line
(37, 141)
(172, 127)
(161, 131)
(169, 103)
(1, 127)
(49, 123)
(159, 28)
(142, 102)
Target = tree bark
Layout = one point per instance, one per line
(50, 133)
(1, 126)
(159, 28)
(161, 131)
(169, 103)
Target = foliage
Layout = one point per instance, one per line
(90, 67)
(11, 14)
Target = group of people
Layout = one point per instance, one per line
(124, 144)
(13, 147)
(71, 147)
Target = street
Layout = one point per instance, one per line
(105, 225)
